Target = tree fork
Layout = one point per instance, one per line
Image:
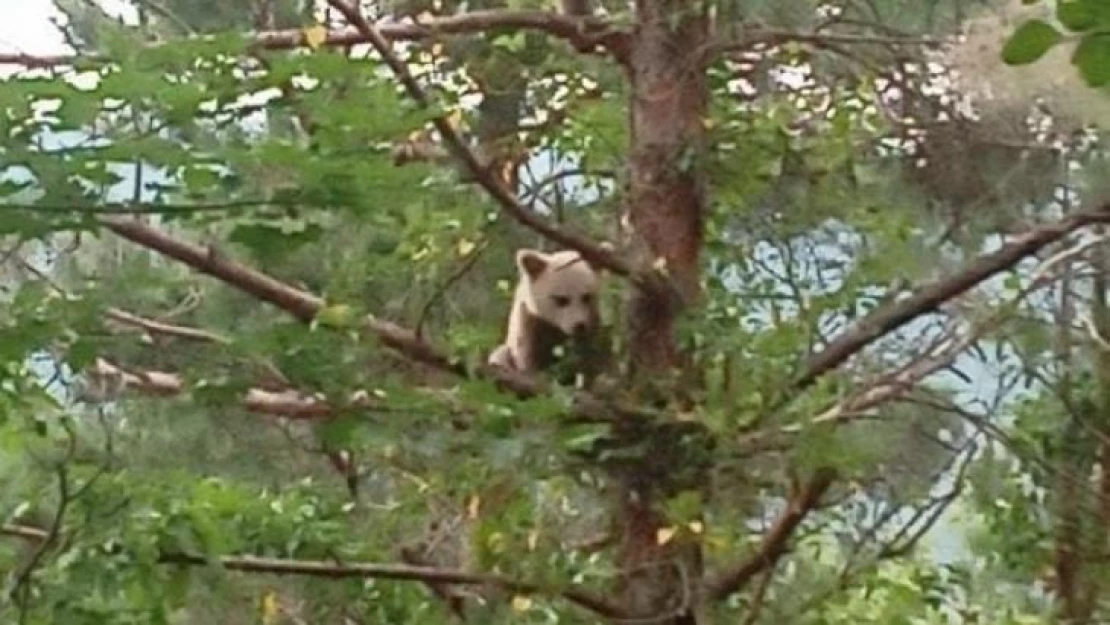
(663, 219)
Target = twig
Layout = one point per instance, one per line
(165, 329)
(932, 294)
(775, 541)
(23, 579)
(759, 596)
(440, 292)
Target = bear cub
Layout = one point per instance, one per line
(554, 322)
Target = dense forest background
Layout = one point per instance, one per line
(253, 255)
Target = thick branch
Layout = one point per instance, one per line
(929, 296)
(300, 304)
(590, 250)
(775, 542)
(305, 306)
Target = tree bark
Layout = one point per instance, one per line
(663, 220)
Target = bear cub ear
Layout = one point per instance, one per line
(531, 262)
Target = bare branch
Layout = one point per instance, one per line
(288, 403)
(774, 543)
(901, 381)
(152, 326)
(929, 296)
(25, 532)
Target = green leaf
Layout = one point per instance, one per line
(1092, 57)
(1077, 15)
(1030, 42)
(271, 240)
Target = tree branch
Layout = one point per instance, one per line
(932, 294)
(151, 326)
(401, 572)
(25, 532)
(589, 249)
(585, 34)
(771, 37)
(305, 306)
(302, 305)
(570, 28)
(774, 543)
(332, 570)
(107, 381)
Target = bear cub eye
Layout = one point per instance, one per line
(561, 301)
(587, 298)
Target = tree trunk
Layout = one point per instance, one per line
(663, 218)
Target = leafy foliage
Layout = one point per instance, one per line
(1087, 20)
(135, 469)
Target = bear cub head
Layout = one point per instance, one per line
(561, 289)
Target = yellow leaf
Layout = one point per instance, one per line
(473, 506)
(269, 608)
(716, 543)
(496, 542)
(454, 118)
(437, 49)
(337, 316)
(315, 36)
(664, 535)
(521, 603)
(696, 527)
(533, 538)
(707, 123)
(466, 246)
